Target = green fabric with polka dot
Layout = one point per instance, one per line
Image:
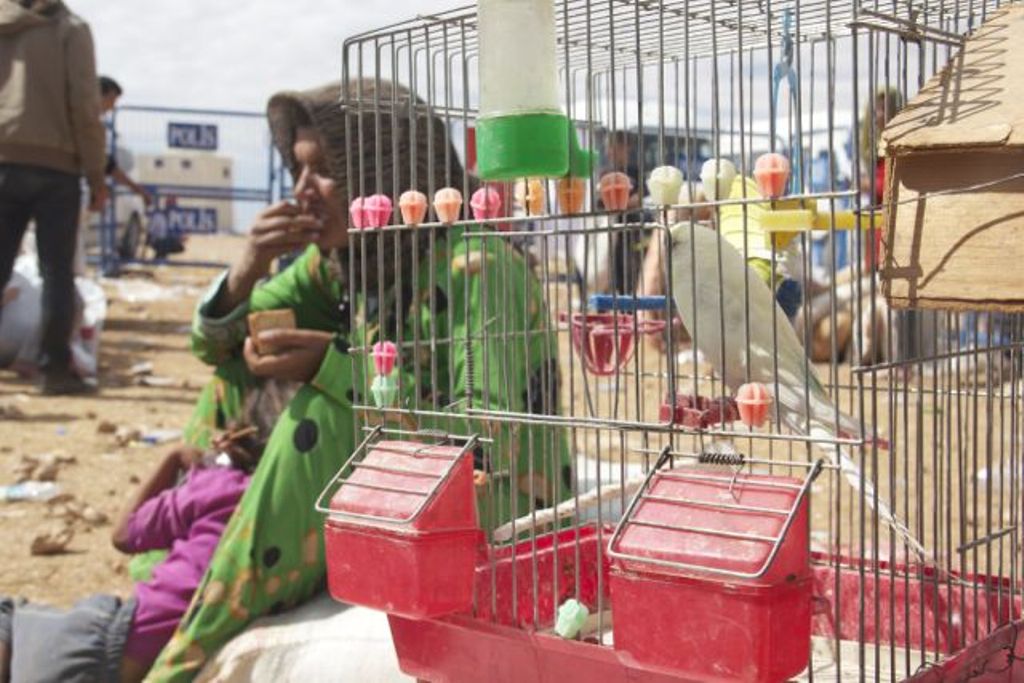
(271, 555)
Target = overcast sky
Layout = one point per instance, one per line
(234, 55)
(216, 53)
(231, 54)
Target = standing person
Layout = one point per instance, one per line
(627, 253)
(128, 241)
(110, 93)
(877, 113)
(885, 105)
(50, 136)
(620, 159)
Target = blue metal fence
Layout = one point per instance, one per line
(208, 171)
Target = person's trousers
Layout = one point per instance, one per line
(84, 644)
(51, 199)
(628, 255)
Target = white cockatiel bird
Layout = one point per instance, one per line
(709, 302)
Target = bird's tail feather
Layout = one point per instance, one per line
(852, 473)
(849, 427)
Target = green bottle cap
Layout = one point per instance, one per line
(536, 145)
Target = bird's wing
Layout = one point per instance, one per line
(697, 288)
(777, 359)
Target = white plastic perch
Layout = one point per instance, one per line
(568, 508)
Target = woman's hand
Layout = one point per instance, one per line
(186, 457)
(279, 229)
(239, 443)
(296, 357)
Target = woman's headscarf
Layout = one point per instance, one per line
(376, 138)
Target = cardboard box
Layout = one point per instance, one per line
(963, 250)
(278, 319)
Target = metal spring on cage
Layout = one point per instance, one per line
(713, 458)
(470, 372)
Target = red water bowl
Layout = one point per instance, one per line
(606, 340)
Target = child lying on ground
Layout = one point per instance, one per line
(104, 638)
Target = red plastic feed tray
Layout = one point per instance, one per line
(402, 533)
(462, 649)
(398, 478)
(698, 412)
(498, 645)
(509, 572)
(908, 605)
(684, 583)
(606, 340)
(998, 658)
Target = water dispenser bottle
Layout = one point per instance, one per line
(522, 130)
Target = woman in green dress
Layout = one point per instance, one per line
(455, 300)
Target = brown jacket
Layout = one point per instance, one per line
(49, 96)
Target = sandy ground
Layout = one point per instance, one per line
(104, 473)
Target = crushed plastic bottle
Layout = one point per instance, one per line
(39, 491)
(572, 615)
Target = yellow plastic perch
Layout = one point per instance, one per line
(780, 221)
(783, 220)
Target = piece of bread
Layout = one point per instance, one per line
(279, 319)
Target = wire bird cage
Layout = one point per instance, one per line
(673, 473)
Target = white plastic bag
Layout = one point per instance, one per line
(21, 322)
(319, 641)
(85, 340)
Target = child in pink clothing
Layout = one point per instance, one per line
(104, 638)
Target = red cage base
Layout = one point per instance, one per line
(506, 649)
(998, 658)
(464, 650)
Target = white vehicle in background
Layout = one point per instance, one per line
(130, 218)
(129, 212)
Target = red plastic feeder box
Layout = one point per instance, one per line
(401, 533)
(711, 577)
